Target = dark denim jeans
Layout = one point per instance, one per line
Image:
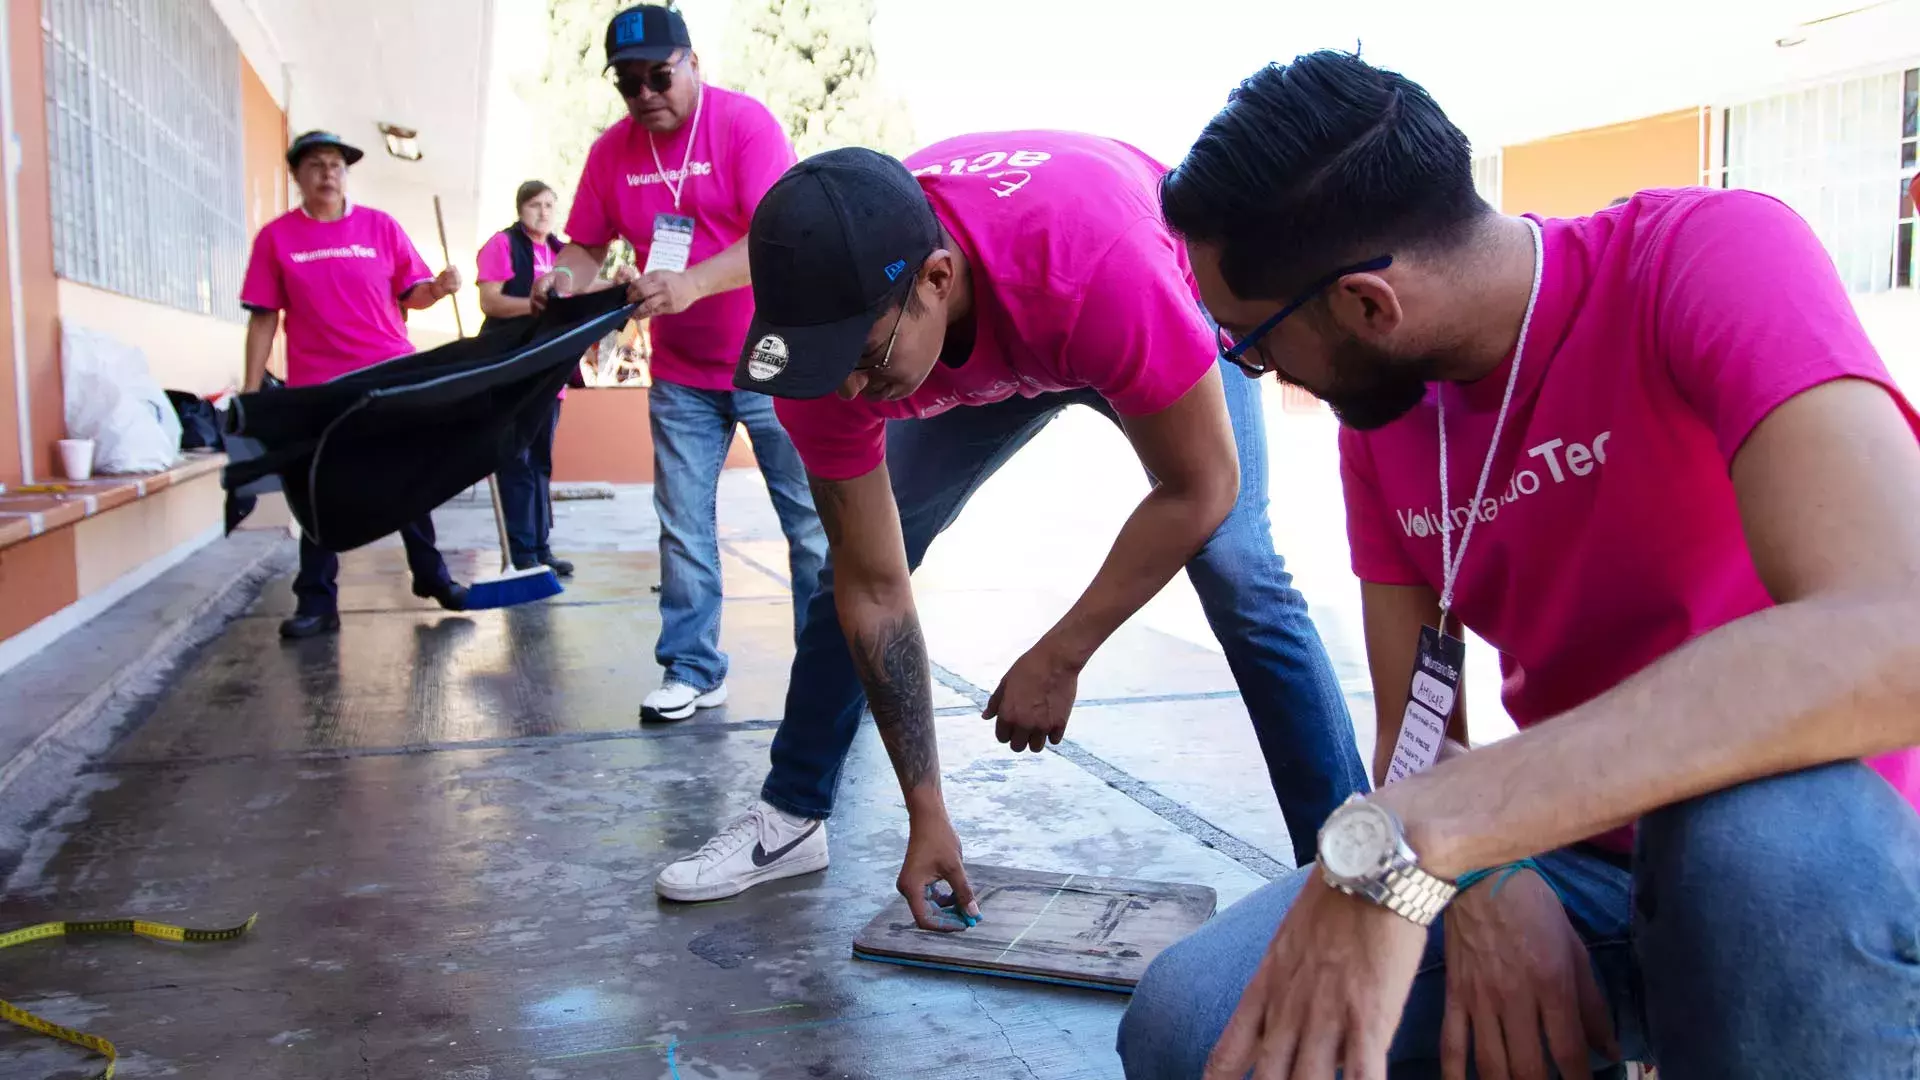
(692, 430)
(526, 498)
(1770, 931)
(1260, 619)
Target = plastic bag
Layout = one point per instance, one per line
(112, 399)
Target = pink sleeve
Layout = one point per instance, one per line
(763, 151)
(1140, 338)
(496, 259)
(262, 288)
(1377, 556)
(409, 269)
(836, 440)
(1750, 312)
(588, 223)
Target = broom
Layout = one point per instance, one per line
(510, 586)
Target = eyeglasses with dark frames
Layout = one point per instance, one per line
(1236, 351)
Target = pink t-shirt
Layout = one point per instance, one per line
(495, 263)
(1076, 284)
(739, 150)
(496, 259)
(1666, 330)
(339, 283)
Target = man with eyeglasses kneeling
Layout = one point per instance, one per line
(678, 178)
(1652, 457)
(921, 322)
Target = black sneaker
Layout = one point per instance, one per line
(306, 626)
(561, 567)
(448, 594)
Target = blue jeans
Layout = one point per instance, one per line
(1260, 619)
(1770, 930)
(692, 431)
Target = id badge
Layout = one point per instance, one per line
(1430, 700)
(672, 246)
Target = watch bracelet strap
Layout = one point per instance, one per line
(1416, 895)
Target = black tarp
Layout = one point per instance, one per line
(367, 452)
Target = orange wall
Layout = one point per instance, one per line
(264, 133)
(1582, 171)
(38, 289)
(604, 437)
(37, 579)
(264, 129)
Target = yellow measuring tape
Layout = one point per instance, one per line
(158, 931)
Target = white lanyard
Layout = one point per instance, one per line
(693, 131)
(1449, 559)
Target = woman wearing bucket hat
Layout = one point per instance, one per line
(340, 274)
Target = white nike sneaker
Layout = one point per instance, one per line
(762, 845)
(677, 701)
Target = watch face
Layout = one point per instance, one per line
(1358, 842)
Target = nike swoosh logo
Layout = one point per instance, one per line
(761, 856)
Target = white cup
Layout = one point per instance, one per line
(76, 458)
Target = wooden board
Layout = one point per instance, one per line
(1072, 929)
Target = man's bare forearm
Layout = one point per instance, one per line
(1159, 538)
(891, 656)
(873, 598)
(582, 265)
(724, 272)
(261, 328)
(1787, 688)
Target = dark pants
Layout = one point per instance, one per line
(319, 568)
(526, 499)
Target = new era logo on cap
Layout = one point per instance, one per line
(829, 244)
(768, 358)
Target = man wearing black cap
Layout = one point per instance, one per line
(341, 273)
(920, 331)
(678, 178)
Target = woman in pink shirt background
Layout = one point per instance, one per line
(510, 262)
(341, 274)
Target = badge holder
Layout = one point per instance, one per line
(672, 247)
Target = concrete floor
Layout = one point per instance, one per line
(450, 824)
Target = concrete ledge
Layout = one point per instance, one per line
(71, 701)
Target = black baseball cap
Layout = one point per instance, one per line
(647, 32)
(315, 139)
(835, 242)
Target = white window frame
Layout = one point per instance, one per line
(146, 151)
(1490, 175)
(1834, 181)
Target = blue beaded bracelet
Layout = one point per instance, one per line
(1474, 877)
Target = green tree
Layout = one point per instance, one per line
(573, 99)
(812, 63)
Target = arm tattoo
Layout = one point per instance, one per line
(892, 661)
(828, 501)
(891, 657)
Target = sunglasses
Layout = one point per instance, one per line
(657, 79)
(1236, 351)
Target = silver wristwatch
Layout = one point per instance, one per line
(1364, 853)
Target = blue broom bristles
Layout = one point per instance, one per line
(515, 587)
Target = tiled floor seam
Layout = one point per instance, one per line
(1168, 810)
